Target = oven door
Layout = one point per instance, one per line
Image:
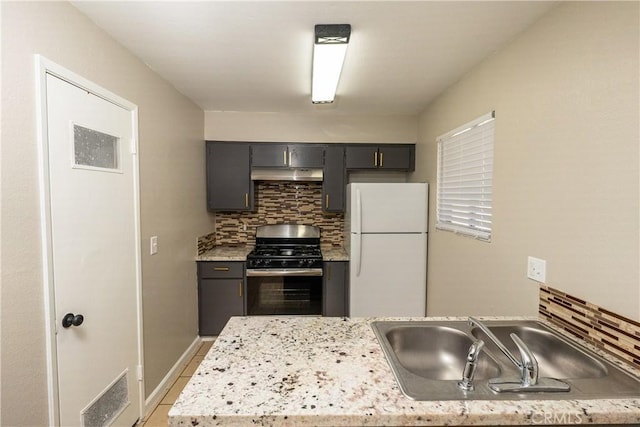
(284, 291)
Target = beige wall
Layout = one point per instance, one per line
(321, 127)
(566, 179)
(172, 202)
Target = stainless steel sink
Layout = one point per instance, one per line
(555, 357)
(436, 352)
(428, 358)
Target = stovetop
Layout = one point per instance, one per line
(286, 246)
(288, 251)
(285, 256)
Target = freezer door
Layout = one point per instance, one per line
(387, 207)
(389, 277)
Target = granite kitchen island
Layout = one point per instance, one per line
(327, 371)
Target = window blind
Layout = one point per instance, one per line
(465, 186)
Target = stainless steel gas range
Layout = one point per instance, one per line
(284, 271)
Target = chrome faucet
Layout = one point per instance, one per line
(469, 371)
(529, 365)
(528, 368)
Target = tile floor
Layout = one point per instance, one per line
(159, 416)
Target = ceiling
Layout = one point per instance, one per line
(255, 56)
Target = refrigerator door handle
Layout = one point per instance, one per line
(358, 218)
(357, 254)
(358, 231)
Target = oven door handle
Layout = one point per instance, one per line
(273, 272)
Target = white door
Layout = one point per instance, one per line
(388, 207)
(392, 276)
(95, 256)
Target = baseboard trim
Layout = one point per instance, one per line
(156, 396)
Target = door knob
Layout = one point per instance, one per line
(71, 319)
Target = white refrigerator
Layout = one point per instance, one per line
(386, 238)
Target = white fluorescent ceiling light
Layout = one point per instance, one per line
(329, 50)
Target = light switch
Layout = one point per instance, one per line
(153, 245)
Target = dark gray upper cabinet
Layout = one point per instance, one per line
(269, 155)
(287, 155)
(333, 185)
(399, 157)
(229, 164)
(306, 156)
(229, 185)
(361, 156)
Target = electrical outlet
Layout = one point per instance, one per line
(537, 269)
(153, 245)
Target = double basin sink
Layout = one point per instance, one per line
(428, 359)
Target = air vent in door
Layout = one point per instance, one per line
(108, 405)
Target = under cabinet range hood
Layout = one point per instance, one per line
(294, 174)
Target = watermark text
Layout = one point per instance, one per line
(556, 418)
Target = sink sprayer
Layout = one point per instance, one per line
(469, 371)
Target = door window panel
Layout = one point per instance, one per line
(95, 149)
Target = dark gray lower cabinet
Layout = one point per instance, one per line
(335, 292)
(220, 294)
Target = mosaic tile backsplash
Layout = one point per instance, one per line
(206, 243)
(602, 328)
(281, 202)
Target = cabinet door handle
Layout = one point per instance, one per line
(381, 158)
(284, 157)
(220, 268)
(289, 158)
(246, 200)
(326, 204)
(240, 289)
(375, 158)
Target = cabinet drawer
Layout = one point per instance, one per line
(220, 270)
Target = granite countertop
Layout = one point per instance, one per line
(334, 253)
(328, 371)
(239, 252)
